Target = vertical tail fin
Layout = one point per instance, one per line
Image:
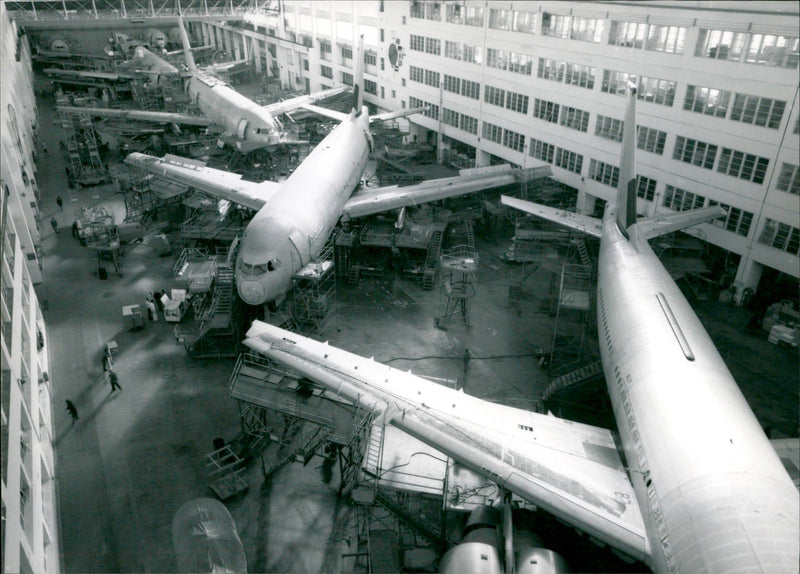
(187, 48)
(358, 83)
(626, 186)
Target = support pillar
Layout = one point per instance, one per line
(585, 203)
(257, 56)
(482, 158)
(748, 274)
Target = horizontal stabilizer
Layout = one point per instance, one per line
(589, 225)
(667, 223)
(197, 175)
(333, 114)
(397, 114)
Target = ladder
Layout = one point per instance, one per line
(575, 377)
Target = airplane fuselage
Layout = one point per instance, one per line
(714, 494)
(238, 115)
(294, 225)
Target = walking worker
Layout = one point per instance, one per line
(106, 360)
(73, 412)
(75, 229)
(114, 380)
(60, 202)
(54, 223)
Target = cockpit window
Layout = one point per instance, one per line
(273, 264)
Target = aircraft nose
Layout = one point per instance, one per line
(251, 292)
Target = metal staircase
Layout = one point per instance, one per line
(432, 260)
(575, 377)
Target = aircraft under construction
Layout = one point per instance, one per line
(295, 218)
(696, 487)
(245, 124)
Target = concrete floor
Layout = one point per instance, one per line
(136, 456)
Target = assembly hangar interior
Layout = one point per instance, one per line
(113, 274)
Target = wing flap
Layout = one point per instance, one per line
(292, 104)
(372, 201)
(215, 182)
(569, 469)
(589, 225)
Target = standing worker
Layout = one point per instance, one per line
(466, 359)
(54, 223)
(73, 412)
(60, 202)
(114, 380)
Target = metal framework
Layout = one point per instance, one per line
(313, 294)
(86, 167)
(28, 11)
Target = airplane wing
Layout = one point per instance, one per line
(215, 182)
(338, 116)
(371, 201)
(667, 223)
(569, 469)
(397, 114)
(224, 66)
(143, 115)
(590, 225)
(292, 104)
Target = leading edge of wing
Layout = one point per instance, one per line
(590, 225)
(376, 200)
(215, 182)
(141, 115)
(569, 469)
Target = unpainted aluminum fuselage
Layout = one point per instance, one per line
(240, 116)
(294, 225)
(714, 495)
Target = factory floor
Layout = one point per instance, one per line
(135, 456)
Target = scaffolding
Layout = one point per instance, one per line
(214, 330)
(458, 286)
(313, 294)
(85, 165)
(571, 309)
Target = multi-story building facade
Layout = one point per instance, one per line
(30, 515)
(529, 82)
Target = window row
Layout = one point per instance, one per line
(504, 137)
(425, 44)
(463, 52)
(572, 27)
(423, 76)
(511, 61)
(566, 72)
(462, 86)
(567, 116)
(781, 236)
(648, 89)
(654, 37)
(430, 111)
(468, 15)
(512, 20)
(647, 139)
(460, 121)
(506, 99)
(747, 109)
(762, 49)
(561, 157)
(426, 10)
(789, 178)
